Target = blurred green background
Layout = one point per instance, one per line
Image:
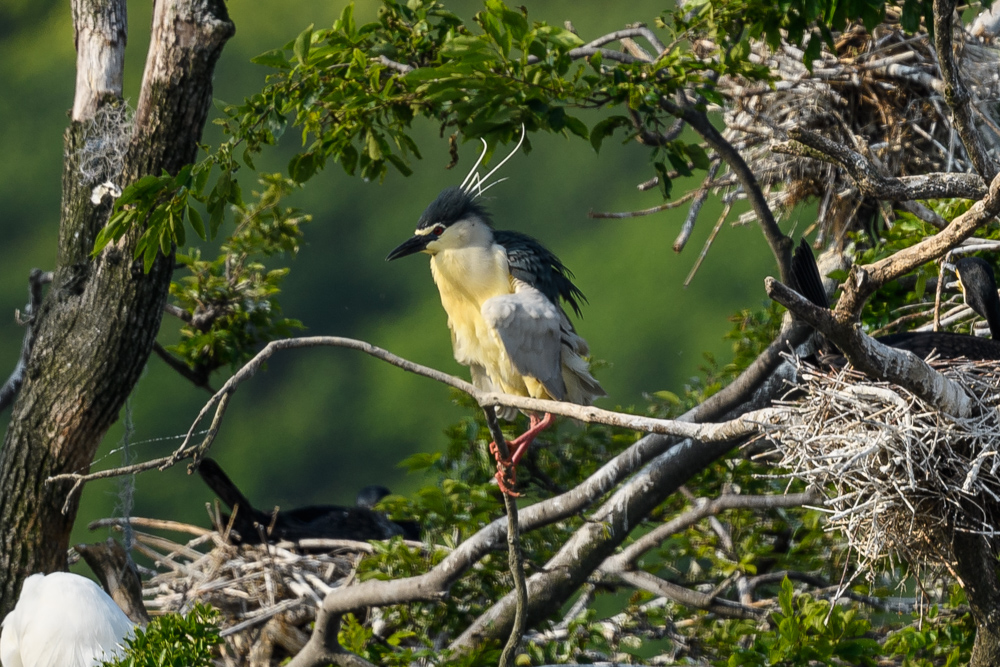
(320, 424)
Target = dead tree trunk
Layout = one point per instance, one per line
(98, 322)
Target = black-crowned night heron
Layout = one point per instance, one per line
(975, 279)
(502, 291)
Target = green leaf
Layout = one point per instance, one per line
(347, 20)
(698, 156)
(606, 128)
(197, 223)
(149, 254)
(576, 126)
(166, 239)
(302, 167)
(303, 43)
(275, 58)
(400, 165)
(921, 285)
(177, 228)
(216, 216)
(662, 178)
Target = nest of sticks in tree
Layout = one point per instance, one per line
(267, 594)
(900, 476)
(878, 93)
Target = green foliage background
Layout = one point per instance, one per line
(320, 424)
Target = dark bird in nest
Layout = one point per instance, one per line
(252, 526)
(977, 283)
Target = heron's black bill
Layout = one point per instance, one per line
(409, 246)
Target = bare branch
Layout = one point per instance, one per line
(392, 64)
(686, 596)
(871, 182)
(956, 94)
(875, 359)
(923, 213)
(197, 377)
(781, 245)
(741, 426)
(701, 195)
(864, 280)
(665, 206)
(514, 556)
(638, 31)
(703, 507)
(593, 47)
(705, 433)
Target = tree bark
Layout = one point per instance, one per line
(99, 320)
(976, 564)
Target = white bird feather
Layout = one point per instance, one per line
(62, 620)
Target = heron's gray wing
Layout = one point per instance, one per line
(528, 325)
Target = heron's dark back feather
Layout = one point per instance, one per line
(533, 263)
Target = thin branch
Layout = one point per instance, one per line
(196, 377)
(402, 68)
(820, 583)
(956, 94)
(593, 47)
(687, 597)
(701, 195)
(702, 509)
(637, 31)
(871, 182)
(646, 211)
(781, 245)
(178, 312)
(514, 557)
(864, 280)
(708, 242)
(141, 522)
(920, 211)
(741, 426)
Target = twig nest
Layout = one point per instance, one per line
(900, 476)
(267, 595)
(878, 93)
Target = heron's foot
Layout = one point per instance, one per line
(495, 451)
(506, 475)
(507, 479)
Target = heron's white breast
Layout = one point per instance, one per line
(466, 278)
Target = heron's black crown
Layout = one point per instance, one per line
(452, 205)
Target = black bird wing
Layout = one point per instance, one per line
(313, 521)
(533, 263)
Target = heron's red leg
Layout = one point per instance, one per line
(518, 446)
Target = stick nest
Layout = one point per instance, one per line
(900, 476)
(878, 93)
(267, 595)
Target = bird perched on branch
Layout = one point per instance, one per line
(978, 285)
(62, 620)
(502, 291)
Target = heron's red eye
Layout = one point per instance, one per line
(438, 230)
